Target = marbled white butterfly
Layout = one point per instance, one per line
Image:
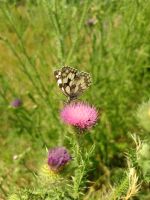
(72, 82)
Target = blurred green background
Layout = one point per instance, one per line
(109, 39)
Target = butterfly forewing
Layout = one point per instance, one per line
(72, 82)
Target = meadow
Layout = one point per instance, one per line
(110, 40)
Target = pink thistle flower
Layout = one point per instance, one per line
(80, 115)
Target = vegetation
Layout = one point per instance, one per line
(108, 39)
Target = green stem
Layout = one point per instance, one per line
(10, 19)
(78, 31)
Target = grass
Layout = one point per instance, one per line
(37, 37)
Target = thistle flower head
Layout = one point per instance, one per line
(16, 103)
(58, 157)
(80, 115)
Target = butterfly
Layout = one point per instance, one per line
(72, 82)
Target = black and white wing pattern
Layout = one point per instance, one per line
(72, 82)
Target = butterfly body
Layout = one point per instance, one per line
(72, 82)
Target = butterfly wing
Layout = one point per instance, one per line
(64, 77)
(72, 82)
(80, 83)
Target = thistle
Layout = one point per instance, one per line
(80, 115)
(16, 103)
(58, 157)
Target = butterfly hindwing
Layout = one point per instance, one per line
(81, 82)
(72, 82)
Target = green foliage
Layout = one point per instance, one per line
(143, 115)
(36, 37)
(144, 160)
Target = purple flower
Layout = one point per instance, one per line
(79, 114)
(58, 157)
(16, 103)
